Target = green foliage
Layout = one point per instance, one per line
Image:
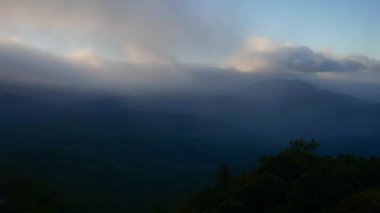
(296, 180)
(367, 200)
(303, 146)
(22, 195)
(160, 208)
(223, 175)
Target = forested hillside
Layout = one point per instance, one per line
(295, 180)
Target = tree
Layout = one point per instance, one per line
(295, 180)
(223, 175)
(161, 208)
(303, 146)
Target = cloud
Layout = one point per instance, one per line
(86, 56)
(167, 25)
(146, 56)
(262, 54)
(148, 72)
(5, 39)
(23, 64)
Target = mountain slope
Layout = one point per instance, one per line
(171, 142)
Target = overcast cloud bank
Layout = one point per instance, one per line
(261, 59)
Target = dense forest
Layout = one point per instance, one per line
(295, 180)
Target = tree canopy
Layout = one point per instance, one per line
(296, 180)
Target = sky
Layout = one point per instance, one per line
(131, 41)
(194, 31)
(345, 26)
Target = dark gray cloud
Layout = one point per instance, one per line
(25, 64)
(261, 54)
(21, 63)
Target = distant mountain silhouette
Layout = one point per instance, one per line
(269, 109)
(295, 108)
(172, 142)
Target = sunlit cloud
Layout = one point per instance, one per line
(262, 54)
(167, 26)
(87, 56)
(7, 39)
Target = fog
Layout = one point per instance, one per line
(25, 65)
